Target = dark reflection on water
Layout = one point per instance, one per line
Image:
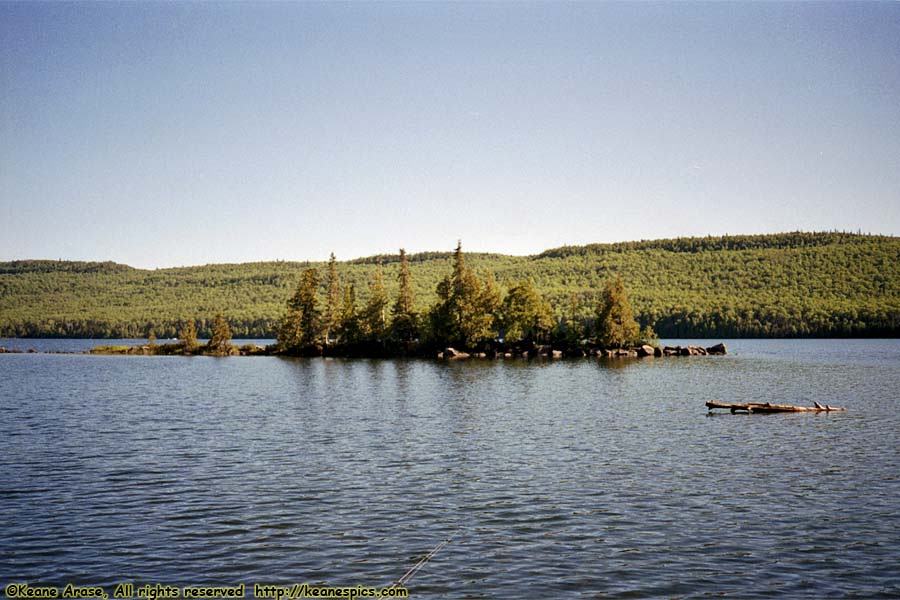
(554, 479)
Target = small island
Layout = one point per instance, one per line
(472, 318)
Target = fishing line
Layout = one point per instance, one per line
(415, 568)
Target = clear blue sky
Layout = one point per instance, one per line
(163, 134)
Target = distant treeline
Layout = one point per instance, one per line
(783, 285)
(713, 244)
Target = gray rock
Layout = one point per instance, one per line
(645, 350)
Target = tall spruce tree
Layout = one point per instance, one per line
(301, 325)
(348, 329)
(615, 326)
(332, 314)
(465, 311)
(405, 326)
(188, 335)
(221, 334)
(374, 318)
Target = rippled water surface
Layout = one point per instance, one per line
(562, 479)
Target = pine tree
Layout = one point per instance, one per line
(465, 311)
(440, 323)
(221, 335)
(188, 335)
(405, 325)
(348, 329)
(301, 325)
(374, 318)
(332, 314)
(615, 325)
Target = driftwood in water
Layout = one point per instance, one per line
(755, 407)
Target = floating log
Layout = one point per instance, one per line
(757, 407)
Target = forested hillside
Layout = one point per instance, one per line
(793, 284)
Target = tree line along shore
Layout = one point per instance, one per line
(828, 284)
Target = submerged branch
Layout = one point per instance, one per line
(756, 407)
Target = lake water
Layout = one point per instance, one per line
(553, 479)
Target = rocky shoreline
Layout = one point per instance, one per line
(541, 351)
(546, 351)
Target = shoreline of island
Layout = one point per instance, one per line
(498, 351)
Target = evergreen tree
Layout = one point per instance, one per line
(301, 325)
(332, 315)
(221, 335)
(615, 325)
(348, 329)
(405, 325)
(440, 323)
(526, 316)
(464, 313)
(374, 318)
(188, 335)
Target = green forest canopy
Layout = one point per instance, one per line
(790, 284)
